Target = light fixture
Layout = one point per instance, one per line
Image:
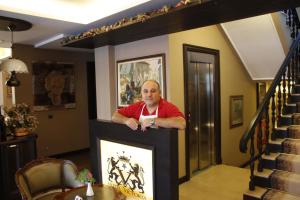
(13, 65)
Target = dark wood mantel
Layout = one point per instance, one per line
(189, 17)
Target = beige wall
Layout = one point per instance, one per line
(234, 80)
(68, 129)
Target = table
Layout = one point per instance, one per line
(102, 192)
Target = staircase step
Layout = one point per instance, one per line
(291, 146)
(288, 162)
(297, 88)
(293, 131)
(294, 98)
(279, 195)
(296, 119)
(268, 194)
(286, 181)
(279, 180)
(290, 108)
(276, 146)
(285, 120)
(257, 194)
(282, 131)
(269, 161)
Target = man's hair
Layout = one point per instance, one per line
(153, 81)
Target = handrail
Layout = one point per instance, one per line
(250, 130)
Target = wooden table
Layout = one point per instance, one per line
(101, 192)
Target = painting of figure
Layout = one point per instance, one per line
(54, 85)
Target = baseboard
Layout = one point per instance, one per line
(183, 179)
(61, 155)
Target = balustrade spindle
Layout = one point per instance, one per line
(259, 145)
(267, 131)
(273, 137)
(289, 77)
(252, 165)
(279, 101)
(283, 90)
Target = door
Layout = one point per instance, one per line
(201, 109)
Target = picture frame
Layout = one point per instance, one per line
(128, 167)
(53, 85)
(131, 73)
(261, 91)
(236, 111)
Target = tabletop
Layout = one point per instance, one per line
(102, 192)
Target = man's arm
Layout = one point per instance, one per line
(171, 122)
(121, 119)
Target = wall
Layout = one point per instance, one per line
(68, 129)
(234, 80)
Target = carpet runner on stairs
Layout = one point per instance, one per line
(280, 179)
(269, 194)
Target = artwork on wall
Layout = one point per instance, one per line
(53, 85)
(129, 168)
(236, 111)
(133, 72)
(261, 90)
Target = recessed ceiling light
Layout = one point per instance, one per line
(79, 11)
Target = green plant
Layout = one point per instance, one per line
(20, 116)
(85, 176)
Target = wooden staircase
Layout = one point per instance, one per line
(274, 136)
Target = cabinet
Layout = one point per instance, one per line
(14, 154)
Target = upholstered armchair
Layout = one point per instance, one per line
(43, 179)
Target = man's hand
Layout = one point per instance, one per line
(147, 123)
(132, 123)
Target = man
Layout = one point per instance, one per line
(153, 111)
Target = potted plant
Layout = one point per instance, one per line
(86, 177)
(20, 120)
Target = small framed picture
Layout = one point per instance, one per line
(261, 90)
(133, 72)
(236, 111)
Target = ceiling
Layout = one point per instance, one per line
(47, 32)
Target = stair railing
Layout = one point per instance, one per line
(270, 110)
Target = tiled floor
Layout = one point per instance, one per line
(220, 182)
(216, 183)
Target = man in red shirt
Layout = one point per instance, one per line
(153, 111)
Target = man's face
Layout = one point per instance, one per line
(150, 93)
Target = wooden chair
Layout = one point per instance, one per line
(44, 178)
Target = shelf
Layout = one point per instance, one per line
(185, 18)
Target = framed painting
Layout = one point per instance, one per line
(53, 85)
(133, 72)
(128, 168)
(261, 90)
(236, 111)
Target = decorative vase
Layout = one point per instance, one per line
(89, 190)
(21, 132)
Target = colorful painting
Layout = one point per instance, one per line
(133, 72)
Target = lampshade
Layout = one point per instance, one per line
(13, 64)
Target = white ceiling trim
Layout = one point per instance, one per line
(257, 43)
(76, 11)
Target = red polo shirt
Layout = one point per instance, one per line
(165, 110)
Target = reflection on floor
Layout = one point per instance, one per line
(215, 183)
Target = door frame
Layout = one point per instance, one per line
(217, 110)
